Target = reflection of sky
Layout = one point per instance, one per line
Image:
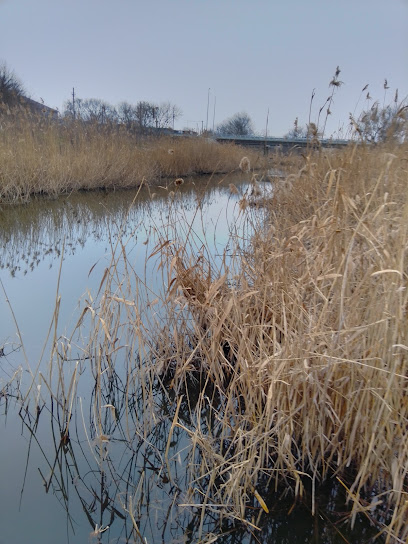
(32, 292)
(30, 257)
(32, 296)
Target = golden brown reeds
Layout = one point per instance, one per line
(40, 156)
(245, 164)
(307, 342)
(296, 342)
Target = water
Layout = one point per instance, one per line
(107, 480)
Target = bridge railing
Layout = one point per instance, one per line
(284, 143)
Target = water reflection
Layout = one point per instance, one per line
(107, 454)
(119, 483)
(35, 232)
(81, 232)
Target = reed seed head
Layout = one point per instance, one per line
(233, 189)
(243, 204)
(245, 164)
(256, 190)
(335, 83)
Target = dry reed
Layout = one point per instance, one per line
(304, 337)
(39, 156)
(285, 364)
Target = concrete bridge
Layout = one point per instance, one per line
(284, 144)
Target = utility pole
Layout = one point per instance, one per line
(266, 128)
(208, 105)
(73, 101)
(215, 101)
(266, 132)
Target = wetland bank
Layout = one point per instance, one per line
(232, 372)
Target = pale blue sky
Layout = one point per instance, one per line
(253, 54)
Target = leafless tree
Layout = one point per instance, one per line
(11, 88)
(379, 124)
(140, 117)
(165, 114)
(144, 114)
(91, 110)
(297, 131)
(239, 124)
(127, 114)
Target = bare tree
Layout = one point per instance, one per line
(98, 111)
(92, 110)
(144, 114)
(379, 124)
(297, 131)
(239, 124)
(151, 115)
(11, 88)
(127, 114)
(140, 117)
(166, 114)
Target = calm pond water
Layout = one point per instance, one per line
(114, 487)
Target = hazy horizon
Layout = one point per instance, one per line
(224, 56)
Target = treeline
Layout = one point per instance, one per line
(11, 88)
(137, 117)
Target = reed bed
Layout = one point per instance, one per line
(282, 362)
(302, 336)
(40, 156)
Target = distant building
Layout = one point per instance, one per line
(38, 108)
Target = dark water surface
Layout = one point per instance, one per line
(113, 486)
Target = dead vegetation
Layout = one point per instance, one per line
(303, 334)
(282, 362)
(40, 156)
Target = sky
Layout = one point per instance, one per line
(211, 58)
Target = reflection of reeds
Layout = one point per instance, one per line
(34, 233)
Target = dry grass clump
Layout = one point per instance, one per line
(245, 164)
(196, 156)
(39, 156)
(303, 335)
(282, 363)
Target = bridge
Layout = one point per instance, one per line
(284, 144)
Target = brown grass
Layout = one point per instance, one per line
(44, 157)
(304, 336)
(286, 363)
